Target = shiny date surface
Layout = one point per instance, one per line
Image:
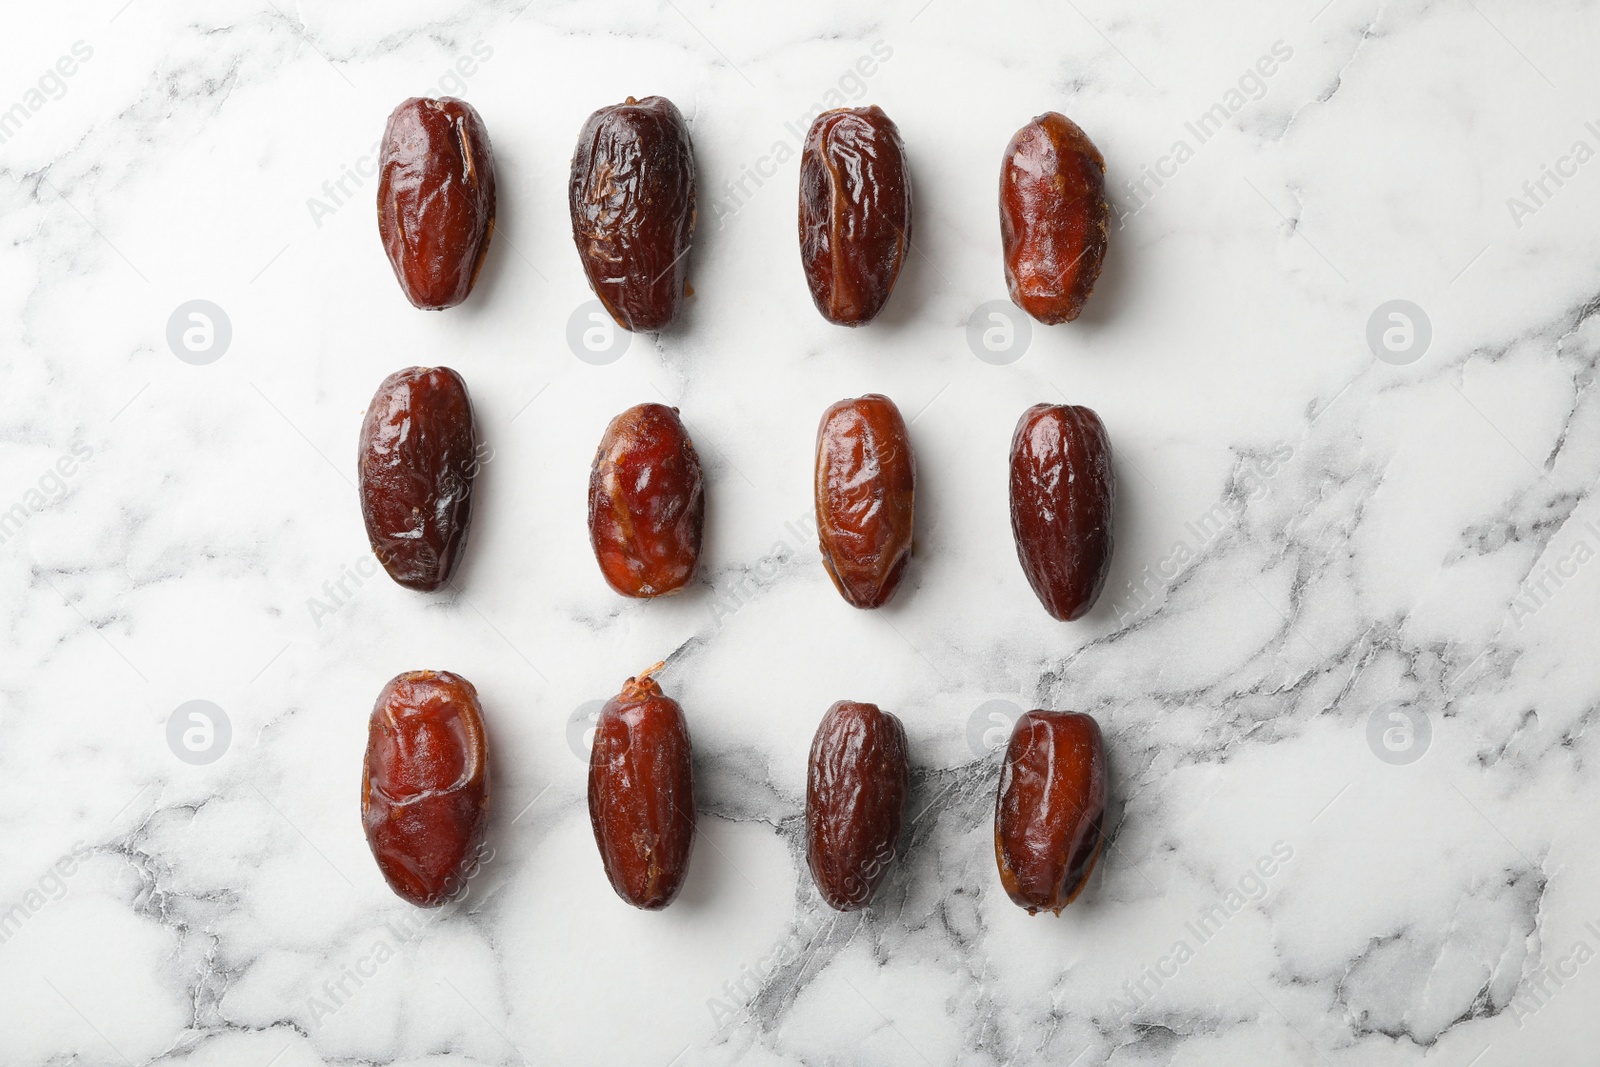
(1063, 494)
(425, 785)
(641, 793)
(435, 199)
(1053, 217)
(632, 199)
(865, 488)
(416, 463)
(1049, 815)
(856, 785)
(855, 212)
(646, 503)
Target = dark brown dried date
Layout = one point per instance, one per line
(1049, 815)
(641, 793)
(1053, 216)
(856, 786)
(865, 491)
(855, 212)
(632, 198)
(416, 465)
(425, 785)
(647, 504)
(1063, 493)
(436, 199)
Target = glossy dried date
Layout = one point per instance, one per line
(632, 198)
(865, 490)
(855, 212)
(416, 464)
(435, 199)
(1049, 815)
(856, 786)
(1053, 216)
(425, 785)
(1062, 496)
(646, 502)
(641, 793)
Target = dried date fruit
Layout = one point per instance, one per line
(1062, 496)
(425, 785)
(855, 212)
(1053, 216)
(856, 786)
(1049, 815)
(646, 502)
(435, 199)
(416, 464)
(641, 793)
(632, 198)
(865, 489)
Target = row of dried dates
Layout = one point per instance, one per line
(631, 196)
(425, 796)
(419, 453)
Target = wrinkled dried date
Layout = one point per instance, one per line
(425, 785)
(646, 502)
(416, 464)
(1062, 496)
(1053, 216)
(855, 212)
(1049, 813)
(856, 787)
(435, 199)
(632, 198)
(865, 489)
(641, 793)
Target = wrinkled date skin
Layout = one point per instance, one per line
(436, 199)
(855, 212)
(865, 488)
(1062, 496)
(647, 504)
(856, 788)
(1053, 216)
(632, 196)
(641, 793)
(425, 785)
(1051, 808)
(416, 464)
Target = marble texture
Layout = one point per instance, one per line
(1328, 564)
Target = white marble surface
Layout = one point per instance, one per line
(1373, 527)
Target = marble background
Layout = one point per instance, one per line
(1341, 663)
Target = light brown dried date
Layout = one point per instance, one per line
(436, 199)
(855, 212)
(641, 793)
(1053, 216)
(416, 464)
(1063, 494)
(1049, 815)
(646, 502)
(632, 199)
(856, 786)
(865, 491)
(425, 785)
